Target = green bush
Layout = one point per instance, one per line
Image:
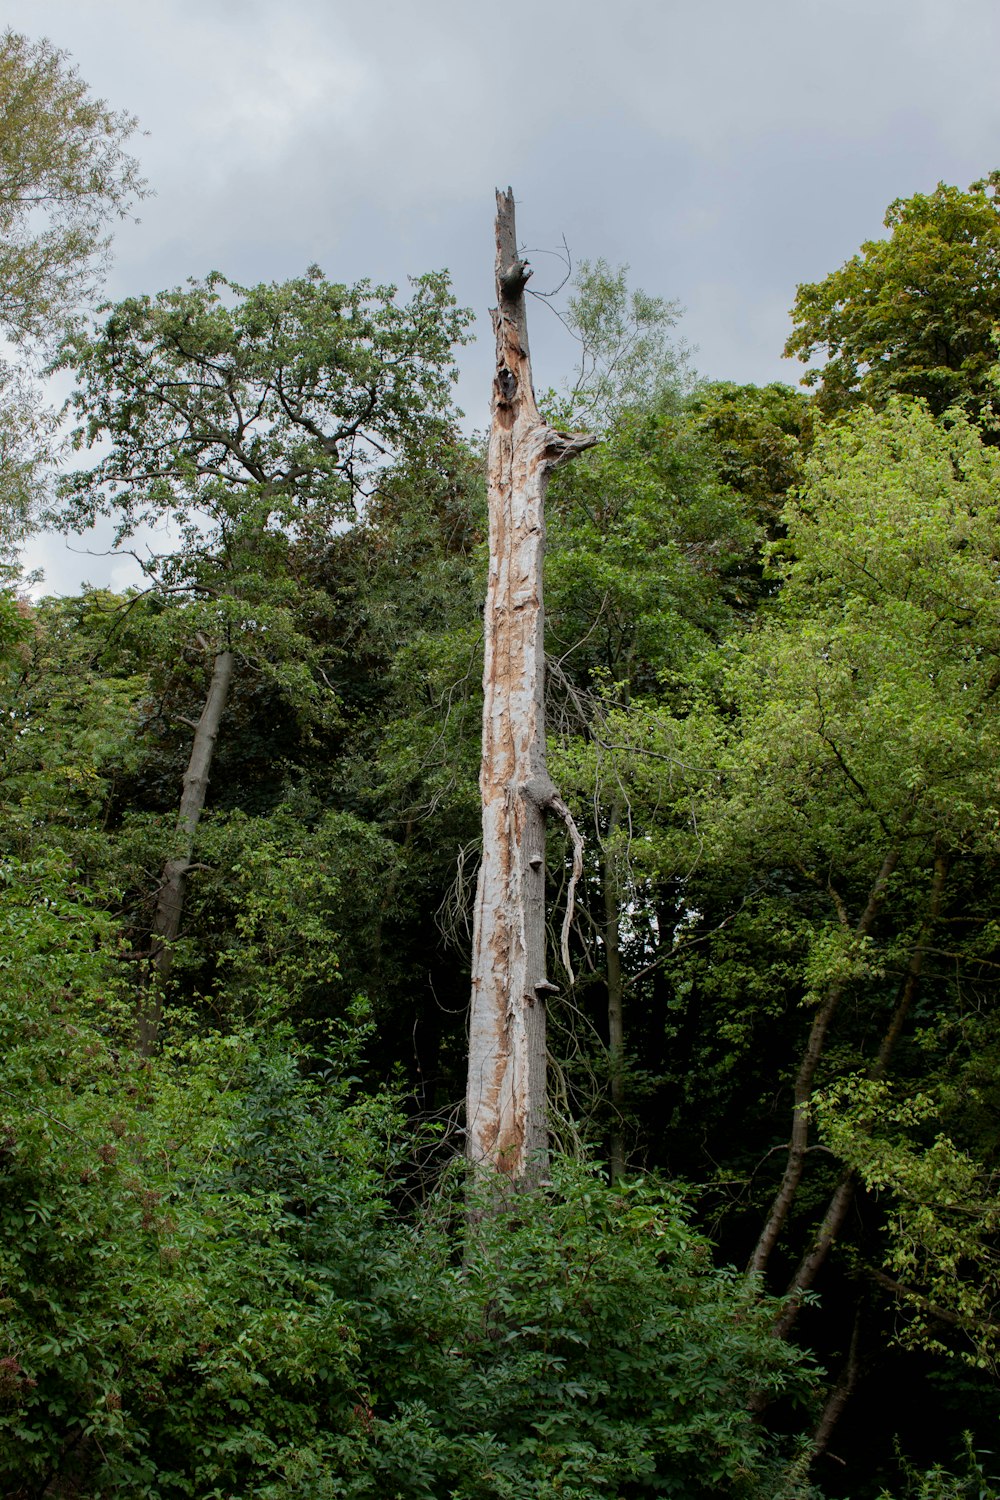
(213, 1286)
(938, 1483)
(582, 1344)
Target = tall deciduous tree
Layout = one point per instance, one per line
(64, 174)
(506, 1089)
(248, 418)
(893, 667)
(913, 314)
(648, 557)
(858, 786)
(628, 358)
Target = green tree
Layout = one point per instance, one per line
(647, 561)
(913, 314)
(840, 883)
(71, 712)
(406, 588)
(627, 359)
(65, 173)
(26, 435)
(253, 420)
(759, 437)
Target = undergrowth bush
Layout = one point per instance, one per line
(976, 1479)
(212, 1285)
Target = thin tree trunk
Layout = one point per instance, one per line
(616, 998)
(914, 970)
(840, 1202)
(170, 900)
(795, 1163)
(505, 1119)
(842, 1391)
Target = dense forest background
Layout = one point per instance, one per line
(239, 818)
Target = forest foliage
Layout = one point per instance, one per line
(243, 1258)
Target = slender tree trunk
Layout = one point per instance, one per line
(505, 1119)
(839, 1205)
(170, 900)
(795, 1162)
(842, 1391)
(616, 997)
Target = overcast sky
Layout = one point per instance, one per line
(725, 149)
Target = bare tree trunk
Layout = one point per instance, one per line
(795, 1161)
(170, 900)
(505, 1120)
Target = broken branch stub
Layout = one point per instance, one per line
(506, 1123)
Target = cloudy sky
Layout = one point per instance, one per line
(725, 149)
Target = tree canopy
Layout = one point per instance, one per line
(65, 174)
(914, 313)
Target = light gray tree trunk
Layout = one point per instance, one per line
(170, 900)
(505, 1120)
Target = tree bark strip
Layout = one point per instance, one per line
(170, 900)
(505, 1119)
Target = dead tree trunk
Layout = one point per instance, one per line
(505, 1121)
(170, 900)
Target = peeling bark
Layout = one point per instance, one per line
(505, 1121)
(170, 899)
